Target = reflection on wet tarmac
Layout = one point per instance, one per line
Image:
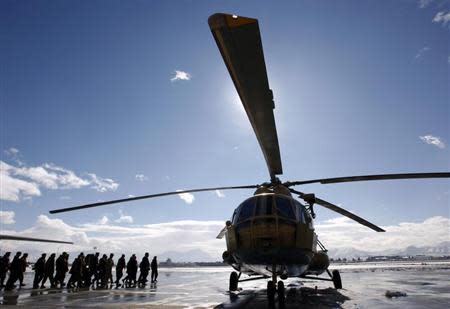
(10, 299)
(206, 288)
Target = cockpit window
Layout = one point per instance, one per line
(264, 205)
(284, 208)
(246, 210)
(301, 211)
(233, 219)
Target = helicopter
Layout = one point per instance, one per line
(271, 234)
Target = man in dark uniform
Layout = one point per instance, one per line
(144, 266)
(23, 268)
(101, 269)
(87, 271)
(62, 266)
(94, 268)
(109, 267)
(39, 270)
(131, 271)
(4, 267)
(119, 270)
(14, 270)
(49, 270)
(76, 272)
(154, 269)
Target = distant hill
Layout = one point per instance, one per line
(194, 255)
(442, 248)
(198, 255)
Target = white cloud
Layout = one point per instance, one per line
(103, 220)
(442, 17)
(220, 194)
(12, 151)
(187, 197)
(102, 184)
(51, 176)
(141, 177)
(12, 188)
(25, 181)
(14, 155)
(433, 140)
(344, 233)
(179, 236)
(7, 217)
(193, 235)
(180, 75)
(422, 51)
(124, 218)
(424, 3)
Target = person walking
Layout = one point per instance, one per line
(14, 270)
(49, 270)
(23, 268)
(87, 271)
(62, 267)
(94, 268)
(119, 270)
(4, 267)
(154, 266)
(144, 267)
(101, 269)
(109, 267)
(76, 272)
(39, 270)
(131, 272)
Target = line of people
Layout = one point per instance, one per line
(85, 271)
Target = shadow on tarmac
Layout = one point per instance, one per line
(296, 297)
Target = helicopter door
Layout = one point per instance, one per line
(231, 239)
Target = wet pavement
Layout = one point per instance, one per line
(365, 285)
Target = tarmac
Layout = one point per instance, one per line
(206, 287)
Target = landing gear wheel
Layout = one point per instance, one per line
(337, 279)
(234, 278)
(270, 290)
(281, 292)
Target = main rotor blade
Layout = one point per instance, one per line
(135, 198)
(370, 177)
(348, 214)
(19, 238)
(341, 211)
(239, 42)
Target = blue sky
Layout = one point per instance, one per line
(87, 89)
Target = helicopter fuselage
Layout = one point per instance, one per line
(271, 231)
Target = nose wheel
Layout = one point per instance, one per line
(275, 287)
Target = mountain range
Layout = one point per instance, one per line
(442, 248)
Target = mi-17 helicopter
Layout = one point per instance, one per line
(271, 234)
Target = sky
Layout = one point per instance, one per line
(105, 100)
